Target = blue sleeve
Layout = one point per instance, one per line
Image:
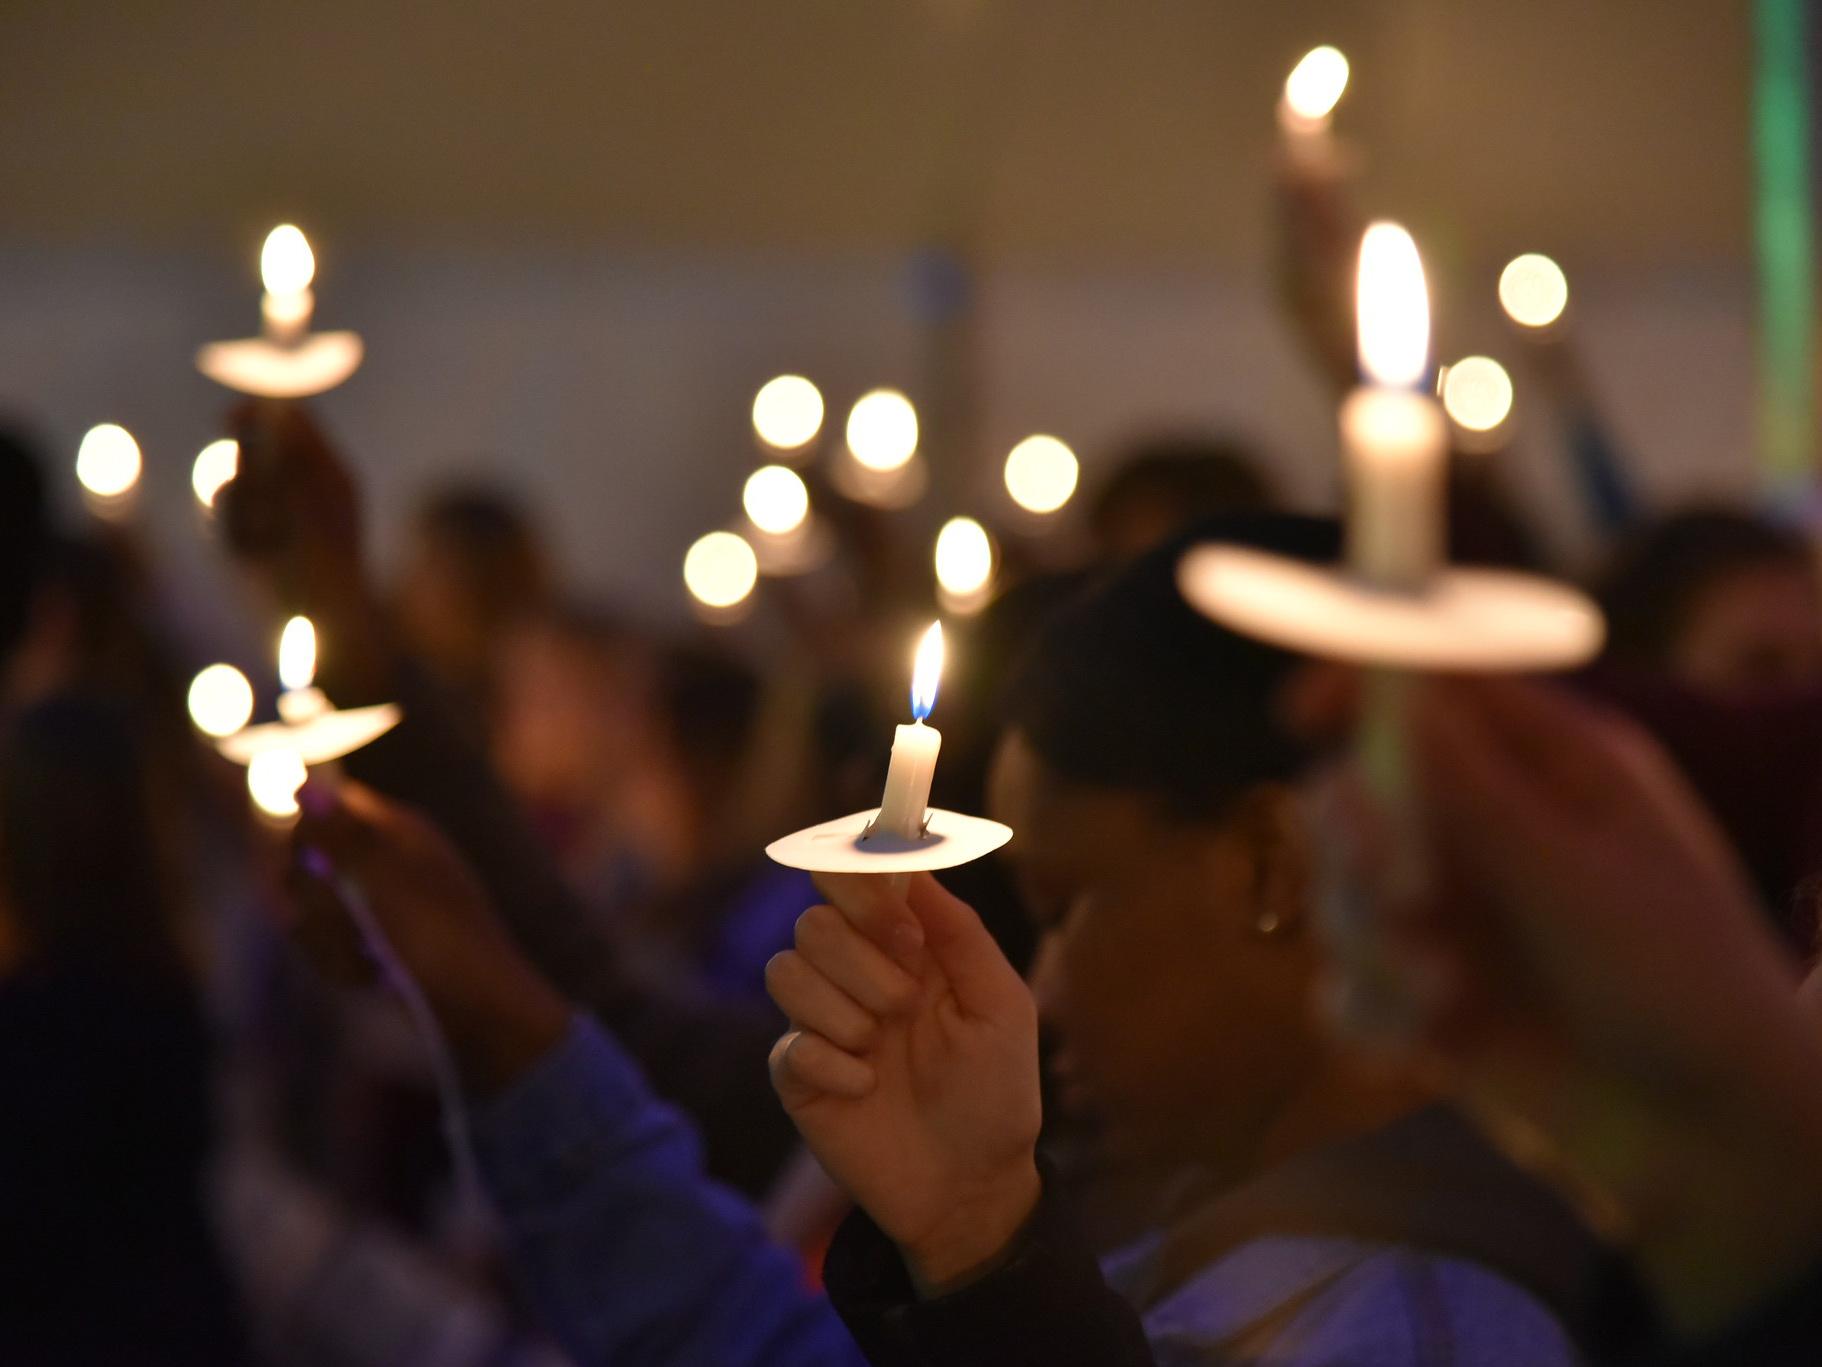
(1292, 1303)
(631, 1254)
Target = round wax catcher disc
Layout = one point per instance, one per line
(843, 845)
(316, 741)
(252, 365)
(1465, 619)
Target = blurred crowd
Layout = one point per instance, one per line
(1559, 1112)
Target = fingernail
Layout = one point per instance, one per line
(316, 798)
(316, 863)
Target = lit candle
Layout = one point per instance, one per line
(108, 466)
(906, 804)
(301, 701)
(1311, 93)
(1394, 440)
(286, 266)
(310, 733)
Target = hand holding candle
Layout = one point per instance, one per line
(310, 732)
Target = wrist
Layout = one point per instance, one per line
(499, 1025)
(979, 1234)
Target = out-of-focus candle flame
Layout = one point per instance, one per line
(1533, 290)
(775, 500)
(964, 556)
(927, 671)
(1041, 474)
(286, 263)
(273, 778)
(1316, 84)
(1393, 308)
(297, 654)
(720, 570)
(108, 461)
(882, 429)
(220, 700)
(216, 464)
(1477, 393)
(787, 412)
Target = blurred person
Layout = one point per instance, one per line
(106, 1256)
(573, 726)
(1367, 1194)
(1169, 873)
(632, 754)
(1162, 484)
(475, 564)
(706, 1056)
(1615, 1010)
(1719, 600)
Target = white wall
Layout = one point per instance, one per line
(613, 388)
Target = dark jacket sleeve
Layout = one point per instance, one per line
(706, 1057)
(1783, 1331)
(1045, 1303)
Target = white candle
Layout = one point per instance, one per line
(1393, 436)
(286, 267)
(906, 803)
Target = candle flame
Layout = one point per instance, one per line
(1393, 307)
(927, 673)
(220, 700)
(1533, 290)
(286, 263)
(108, 461)
(216, 465)
(787, 412)
(297, 653)
(882, 429)
(1316, 83)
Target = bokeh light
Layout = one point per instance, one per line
(1533, 290)
(882, 429)
(787, 412)
(1477, 393)
(220, 700)
(720, 570)
(273, 778)
(286, 263)
(108, 462)
(1316, 83)
(964, 557)
(216, 464)
(1041, 474)
(1393, 307)
(775, 500)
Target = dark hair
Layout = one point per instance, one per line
(78, 852)
(24, 532)
(495, 541)
(1190, 476)
(1130, 687)
(1653, 581)
(710, 703)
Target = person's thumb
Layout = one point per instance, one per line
(955, 939)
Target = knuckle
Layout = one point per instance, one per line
(815, 925)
